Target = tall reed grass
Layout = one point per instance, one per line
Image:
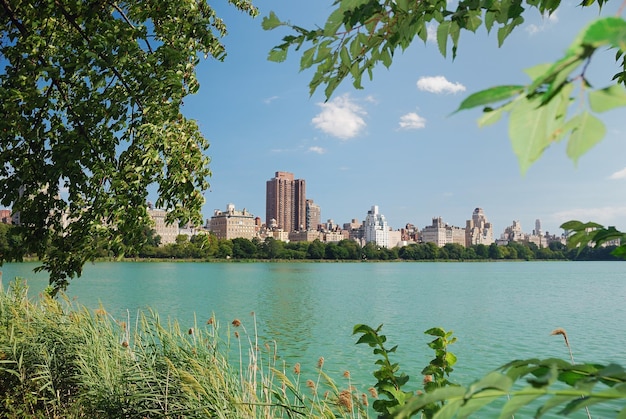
(61, 360)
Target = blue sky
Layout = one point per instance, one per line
(395, 143)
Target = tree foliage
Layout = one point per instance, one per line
(90, 117)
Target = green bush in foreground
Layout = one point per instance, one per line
(531, 387)
(60, 360)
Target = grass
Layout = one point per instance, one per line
(61, 360)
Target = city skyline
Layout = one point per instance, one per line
(286, 195)
(395, 143)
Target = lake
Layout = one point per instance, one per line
(499, 311)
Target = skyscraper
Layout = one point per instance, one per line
(478, 230)
(313, 215)
(375, 228)
(285, 202)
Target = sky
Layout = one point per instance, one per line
(394, 143)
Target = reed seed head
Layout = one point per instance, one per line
(236, 322)
(560, 331)
(237, 334)
(190, 331)
(345, 399)
(310, 384)
(346, 374)
(364, 400)
(320, 362)
(125, 344)
(296, 369)
(210, 321)
(428, 379)
(373, 392)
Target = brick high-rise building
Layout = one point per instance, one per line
(313, 215)
(285, 203)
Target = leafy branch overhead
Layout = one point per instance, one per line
(538, 112)
(360, 34)
(90, 98)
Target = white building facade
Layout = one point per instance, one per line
(375, 228)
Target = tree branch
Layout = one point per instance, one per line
(121, 12)
(72, 21)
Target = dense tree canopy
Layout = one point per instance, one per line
(90, 98)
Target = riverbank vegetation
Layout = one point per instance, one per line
(61, 360)
(209, 247)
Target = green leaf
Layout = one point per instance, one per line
(553, 402)
(505, 31)
(270, 22)
(352, 4)
(608, 30)
(608, 98)
(557, 72)
(307, 58)
(443, 31)
(589, 131)
(450, 358)
(491, 95)
(435, 331)
(449, 410)
(490, 17)
(527, 131)
(490, 116)
(516, 402)
(473, 21)
(538, 70)
(334, 22)
(478, 401)
(558, 79)
(277, 55)
(415, 403)
(403, 4)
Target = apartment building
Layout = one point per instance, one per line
(375, 228)
(441, 234)
(231, 224)
(478, 230)
(167, 232)
(285, 203)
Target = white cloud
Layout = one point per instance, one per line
(412, 121)
(533, 29)
(553, 18)
(620, 174)
(270, 99)
(431, 30)
(602, 215)
(547, 21)
(316, 149)
(439, 84)
(341, 118)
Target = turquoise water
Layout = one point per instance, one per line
(498, 311)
